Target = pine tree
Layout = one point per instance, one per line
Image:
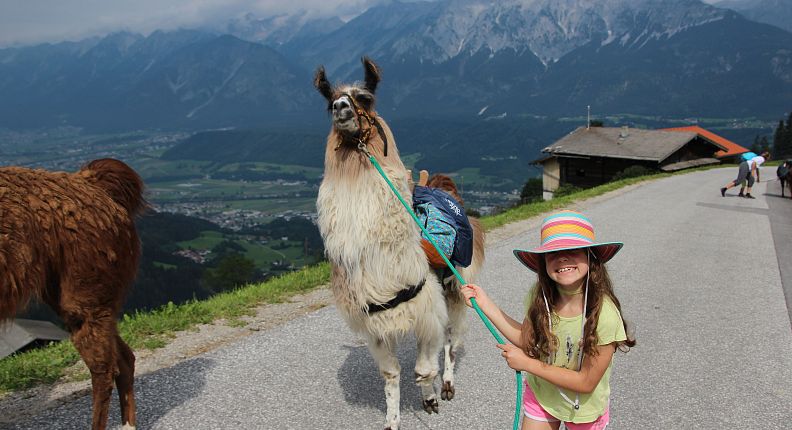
(764, 145)
(787, 145)
(780, 140)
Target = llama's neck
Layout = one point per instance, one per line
(369, 237)
(347, 163)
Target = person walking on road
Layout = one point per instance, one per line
(571, 330)
(747, 171)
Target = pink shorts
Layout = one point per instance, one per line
(533, 410)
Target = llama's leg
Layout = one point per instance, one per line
(125, 384)
(427, 368)
(384, 353)
(457, 327)
(94, 339)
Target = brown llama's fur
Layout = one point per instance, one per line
(69, 240)
(788, 183)
(445, 183)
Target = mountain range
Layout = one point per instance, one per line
(775, 12)
(440, 59)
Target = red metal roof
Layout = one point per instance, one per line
(733, 148)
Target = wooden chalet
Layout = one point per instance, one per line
(588, 157)
(732, 151)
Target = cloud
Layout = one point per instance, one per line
(36, 21)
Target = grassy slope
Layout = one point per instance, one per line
(153, 329)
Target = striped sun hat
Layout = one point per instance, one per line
(567, 230)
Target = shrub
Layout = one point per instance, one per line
(565, 190)
(632, 172)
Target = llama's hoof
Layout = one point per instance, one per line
(447, 392)
(431, 405)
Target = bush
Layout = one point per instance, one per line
(632, 172)
(565, 190)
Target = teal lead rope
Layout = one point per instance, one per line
(481, 315)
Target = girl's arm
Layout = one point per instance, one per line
(584, 381)
(505, 324)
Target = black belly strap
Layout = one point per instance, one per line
(401, 297)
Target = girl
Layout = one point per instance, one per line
(571, 308)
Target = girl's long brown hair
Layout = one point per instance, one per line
(539, 342)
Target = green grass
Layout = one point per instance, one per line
(207, 240)
(262, 255)
(153, 329)
(533, 209)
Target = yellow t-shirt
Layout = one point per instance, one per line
(610, 328)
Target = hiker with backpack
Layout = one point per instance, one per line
(748, 169)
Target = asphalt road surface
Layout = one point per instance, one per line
(698, 278)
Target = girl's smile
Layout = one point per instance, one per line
(567, 268)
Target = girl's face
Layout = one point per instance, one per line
(567, 268)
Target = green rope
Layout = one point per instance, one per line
(481, 315)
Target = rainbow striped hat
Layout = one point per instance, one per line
(567, 230)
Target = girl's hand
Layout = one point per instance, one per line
(473, 291)
(515, 357)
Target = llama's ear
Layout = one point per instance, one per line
(372, 74)
(322, 84)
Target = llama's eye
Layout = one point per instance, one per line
(363, 98)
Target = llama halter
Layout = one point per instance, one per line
(364, 135)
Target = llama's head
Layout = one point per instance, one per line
(349, 103)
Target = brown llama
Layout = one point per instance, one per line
(381, 280)
(69, 240)
(788, 180)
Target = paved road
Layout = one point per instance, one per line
(698, 277)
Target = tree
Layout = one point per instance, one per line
(531, 191)
(782, 139)
(760, 145)
(232, 271)
(779, 139)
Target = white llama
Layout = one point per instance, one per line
(382, 283)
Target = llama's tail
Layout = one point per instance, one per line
(122, 183)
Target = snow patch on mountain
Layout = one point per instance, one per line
(547, 28)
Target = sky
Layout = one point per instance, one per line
(26, 22)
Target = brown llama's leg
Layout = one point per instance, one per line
(125, 384)
(95, 340)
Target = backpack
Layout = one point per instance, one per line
(748, 156)
(445, 221)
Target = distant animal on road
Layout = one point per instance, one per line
(381, 280)
(789, 183)
(784, 173)
(70, 241)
